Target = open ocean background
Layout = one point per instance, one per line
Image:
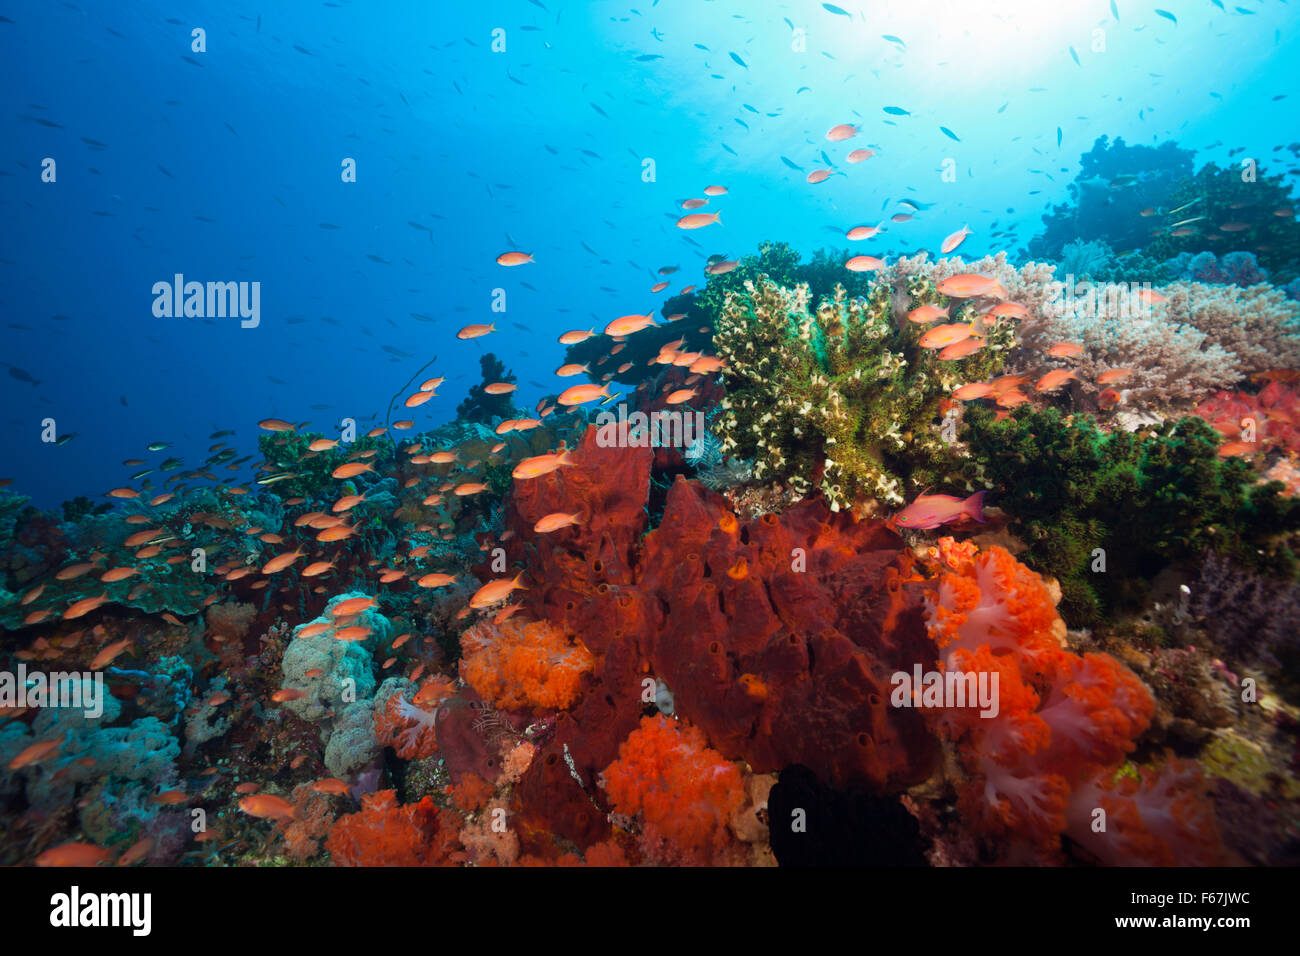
(225, 165)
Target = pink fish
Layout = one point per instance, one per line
(930, 511)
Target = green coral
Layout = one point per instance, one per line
(777, 261)
(841, 398)
(1147, 502)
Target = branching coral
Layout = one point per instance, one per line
(1259, 326)
(1171, 361)
(843, 399)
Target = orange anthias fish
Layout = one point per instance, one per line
(495, 591)
(332, 786)
(475, 331)
(352, 469)
(864, 264)
(281, 561)
(84, 607)
(960, 349)
(941, 336)
(1113, 375)
(925, 314)
(353, 606)
(930, 511)
(513, 258)
(1054, 379)
(540, 465)
(73, 854)
(629, 324)
(580, 394)
(697, 219)
(966, 285)
(1065, 350)
(435, 580)
(1233, 448)
(973, 391)
(37, 752)
(555, 521)
(954, 240)
(862, 232)
(838, 134)
(267, 806)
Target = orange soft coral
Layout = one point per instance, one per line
(1063, 719)
(683, 790)
(386, 834)
(520, 664)
(994, 600)
(409, 726)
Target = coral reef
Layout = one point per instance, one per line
(1115, 183)
(1103, 512)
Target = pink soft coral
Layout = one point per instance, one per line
(1162, 818)
(409, 726)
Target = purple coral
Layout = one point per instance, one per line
(1234, 268)
(1252, 618)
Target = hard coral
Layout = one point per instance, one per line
(842, 398)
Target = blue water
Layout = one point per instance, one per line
(224, 169)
